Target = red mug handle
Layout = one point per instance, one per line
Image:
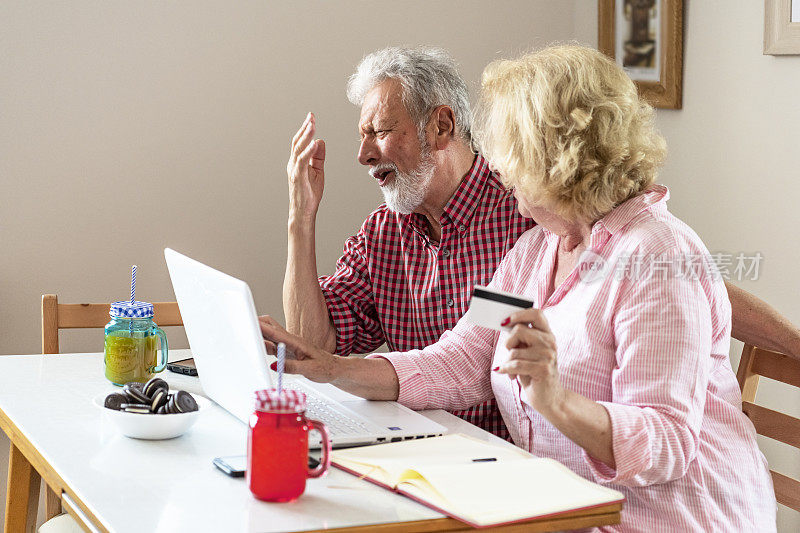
(325, 460)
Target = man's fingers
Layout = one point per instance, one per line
(303, 127)
(304, 156)
(302, 143)
(318, 155)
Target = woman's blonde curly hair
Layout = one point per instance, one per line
(565, 126)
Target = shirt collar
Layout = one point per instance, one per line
(468, 196)
(461, 206)
(655, 196)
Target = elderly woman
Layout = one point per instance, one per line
(621, 370)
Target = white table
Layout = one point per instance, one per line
(115, 483)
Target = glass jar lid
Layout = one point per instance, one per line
(287, 400)
(128, 309)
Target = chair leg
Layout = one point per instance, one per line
(52, 504)
(22, 497)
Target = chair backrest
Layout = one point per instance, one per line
(56, 316)
(757, 362)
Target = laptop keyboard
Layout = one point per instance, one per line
(339, 424)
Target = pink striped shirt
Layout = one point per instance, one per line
(647, 338)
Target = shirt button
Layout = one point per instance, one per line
(446, 252)
(462, 228)
(450, 302)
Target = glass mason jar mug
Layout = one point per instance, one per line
(131, 342)
(277, 446)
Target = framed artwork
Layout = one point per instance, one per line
(646, 38)
(781, 27)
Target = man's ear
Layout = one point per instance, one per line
(444, 123)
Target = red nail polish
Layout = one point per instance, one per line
(274, 366)
(506, 321)
(495, 369)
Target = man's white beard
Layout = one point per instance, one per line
(408, 189)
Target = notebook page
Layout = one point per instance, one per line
(396, 457)
(490, 493)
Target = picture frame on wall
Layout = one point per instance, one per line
(782, 27)
(645, 37)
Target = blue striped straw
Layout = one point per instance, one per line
(281, 362)
(133, 284)
(133, 293)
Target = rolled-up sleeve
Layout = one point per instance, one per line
(351, 304)
(451, 374)
(663, 331)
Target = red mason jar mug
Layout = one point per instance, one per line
(277, 446)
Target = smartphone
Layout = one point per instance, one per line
(233, 465)
(184, 366)
(236, 465)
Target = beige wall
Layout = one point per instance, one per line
(183, 112)
(131, 126)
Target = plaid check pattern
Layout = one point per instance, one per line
(287, 400)
(394, 284)
(128, 309)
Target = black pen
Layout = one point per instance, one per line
(485, 460)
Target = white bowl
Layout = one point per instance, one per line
(151, 426)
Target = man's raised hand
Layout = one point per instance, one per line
(306, 171)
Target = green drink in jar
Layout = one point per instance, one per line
(131, 343)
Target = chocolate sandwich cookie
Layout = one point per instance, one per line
(153, 385)
(162, 410)
(115, 400)
(159, 399)
(185, 402)
(171, 408)
(134, 391)
(140, 408)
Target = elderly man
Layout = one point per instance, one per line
(406, 277)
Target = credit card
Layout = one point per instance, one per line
(489, 307)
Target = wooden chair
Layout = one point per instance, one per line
(757, 362)
(56, 316)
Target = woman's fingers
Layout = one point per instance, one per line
(535, 369)
(272, 349)
(274, 333)
(271, 330)
(268, 320)
(534, 317)
(525, 337)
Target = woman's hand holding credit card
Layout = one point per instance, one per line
(532, 353)
(489, 307)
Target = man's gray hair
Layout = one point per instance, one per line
(429, 78)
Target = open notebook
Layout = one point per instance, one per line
(441, 472)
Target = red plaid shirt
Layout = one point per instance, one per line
(393, 284)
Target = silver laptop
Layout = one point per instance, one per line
(222, 327)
